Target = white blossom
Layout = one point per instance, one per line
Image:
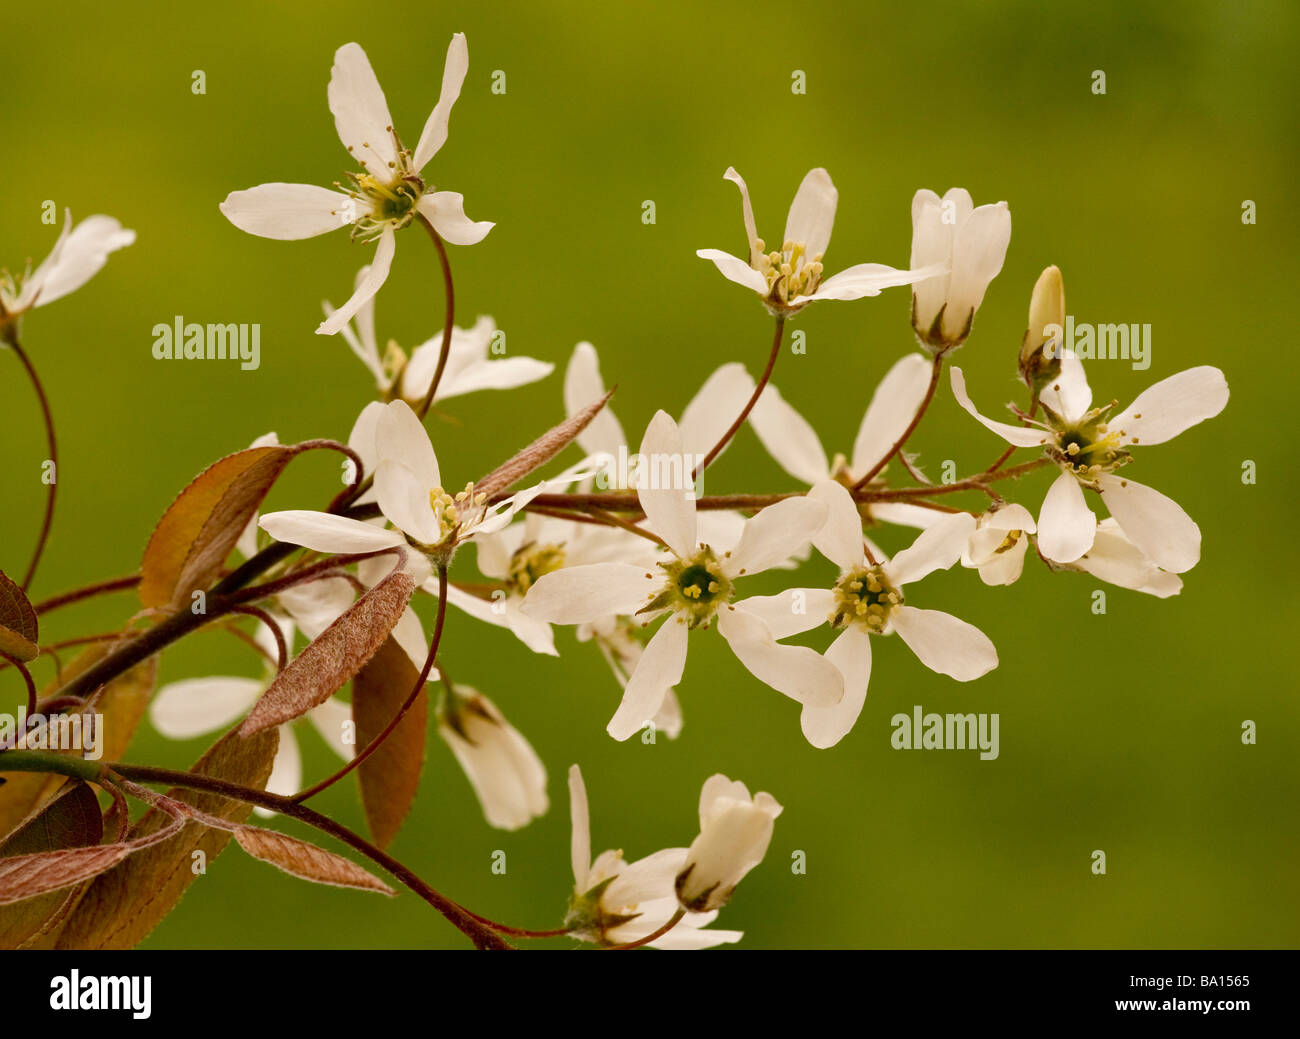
(735, 830)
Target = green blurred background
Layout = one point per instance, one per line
(1118, 732)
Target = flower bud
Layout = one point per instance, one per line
(506, 773)
(735, 831)
(1040, 350)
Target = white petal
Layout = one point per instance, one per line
(580, 842)
(453, 76)
(399, 435)
(1173, 405)
(1005, 567)
(840, 538)
(579, 594)
(932, 238)
(945, 644)
(362, 437)
(751, 232)
(893, 406)
(286, 769)
(1010, 517)
(332, 720)
(446, 211)
(812, 213)
(774, 534)
(788, 437)
(735, 269)
(791, 612)
(1021, 436)
(1156, 524)
(502, 373)
(1066, 526)
(670, 512)
(315, 605)
(713, 409)
(800, 673)
(904, 515)
(361, 112)
(1069, 394)
(870, 279)
(83, 254)
(979, 247)
(195, 706)
(323, 532)
(659, 669)
(533, 633)
(288, 211)
(582, 385)
(369, 285)
(1115, 559)
(404, 500)
(362, 341)
(936, 548)
(851, 653)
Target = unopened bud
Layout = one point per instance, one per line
(1040, 350)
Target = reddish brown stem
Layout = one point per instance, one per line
(48, 416)
(758, 392)
(916, 420)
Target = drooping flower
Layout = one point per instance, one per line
(78, 255)
(508, 777)
(789, 278)
(735, 830)
(615, 902)
(791, 440)
(866, 600)
(694, 586)
(470, 366)
(386, 196)
(1088, 445)
(997, 545)
(971, 243)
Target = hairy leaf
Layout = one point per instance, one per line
(540, 451)
(122, 906)
(18, 625)
(201, 526)
(306, 860)
(328, 663)
(391, 775)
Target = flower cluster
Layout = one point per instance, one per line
(623, 547)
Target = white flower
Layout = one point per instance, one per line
(470, 364)
(972, 243)
(408, 485)
(386, 196)
(78, 255)
(693, 587)
(997, 546)
(508, 777)
(197, 706)
(867, 600)
(524, 552)
(794, 444)
(1115, 559)
(735, 830)
(1089, 446)
(616, 903)
(790, 278)
(616, 639)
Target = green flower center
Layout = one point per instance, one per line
(693, 587)
(865, 597)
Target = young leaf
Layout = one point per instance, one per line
(391, 775)
(71, 820)
(328, 663)
(18, 625)
(123, 905)
(201, 526)
(26, 876)
(306, 860)
(540, 451)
